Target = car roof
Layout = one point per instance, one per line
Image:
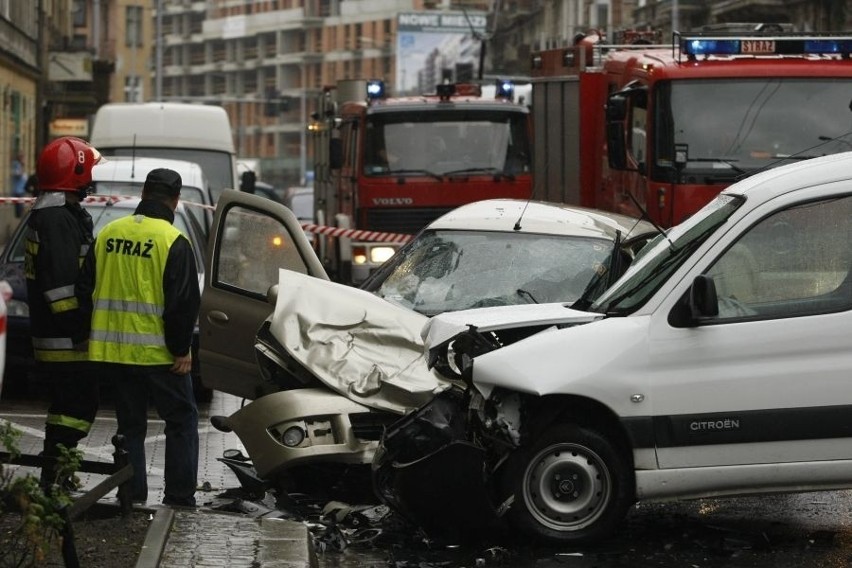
(539, 217)
(121, 202)
(136, 169)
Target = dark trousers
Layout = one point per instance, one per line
(74, 399)
(172, 396)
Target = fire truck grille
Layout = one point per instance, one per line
(408, 221)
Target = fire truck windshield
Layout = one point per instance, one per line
(723, 128)
(447, 141)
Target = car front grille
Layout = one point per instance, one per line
(371, 425)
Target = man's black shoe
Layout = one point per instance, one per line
(181, 503)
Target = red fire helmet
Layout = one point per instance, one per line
(65, 164)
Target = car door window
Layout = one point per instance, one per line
(795, 262)
(253, 247)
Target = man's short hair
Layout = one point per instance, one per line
(162, 182)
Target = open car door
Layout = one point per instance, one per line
(251, 238)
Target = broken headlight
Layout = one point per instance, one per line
(455, 357)
(459, 362)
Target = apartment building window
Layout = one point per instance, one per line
(133, 23)
(78, 13)
(132, 89)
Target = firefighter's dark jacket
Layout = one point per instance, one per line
(63, 236)
(180, 284)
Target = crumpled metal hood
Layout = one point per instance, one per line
(358, 344)
(443, 327)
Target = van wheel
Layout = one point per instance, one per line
(572, 486)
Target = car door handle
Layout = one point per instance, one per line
(216, 316)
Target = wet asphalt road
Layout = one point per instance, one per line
(777, 531)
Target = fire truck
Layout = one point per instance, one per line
(394, 164)
(635, 126)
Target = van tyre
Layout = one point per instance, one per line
(573, 485)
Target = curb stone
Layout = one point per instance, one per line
(155, 538)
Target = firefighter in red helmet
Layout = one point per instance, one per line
(58, 236)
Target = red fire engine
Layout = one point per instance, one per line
(668, 127)
(395, 164)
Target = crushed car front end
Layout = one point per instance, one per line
(444, 465)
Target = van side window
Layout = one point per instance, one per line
(795, 262)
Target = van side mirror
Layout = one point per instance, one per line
(248, 180)
(335, 153)
(703, 301)
(699, 303)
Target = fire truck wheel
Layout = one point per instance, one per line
(571, 486)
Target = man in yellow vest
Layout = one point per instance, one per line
(145, 305)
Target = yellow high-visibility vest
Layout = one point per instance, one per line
(127, 322)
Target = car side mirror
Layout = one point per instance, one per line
(272, 295)
(248, 180)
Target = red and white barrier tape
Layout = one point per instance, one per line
(355, 234)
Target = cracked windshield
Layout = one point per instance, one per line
(455, 271)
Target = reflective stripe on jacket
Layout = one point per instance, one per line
(56, 241)
(127, 322)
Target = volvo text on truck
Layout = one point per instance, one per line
(667, 127)
(394, 164)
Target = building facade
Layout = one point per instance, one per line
(265, 61)
(22, 57)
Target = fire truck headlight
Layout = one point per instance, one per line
(359, 255)
(380, 254)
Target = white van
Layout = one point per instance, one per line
(124, 175)
(717, 365)
(180, 131)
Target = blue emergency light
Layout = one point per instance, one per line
(839, 46)
(505, 90)
(375, 89)
(711, 46)
(767, 45)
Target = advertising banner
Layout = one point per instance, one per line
(434, 47)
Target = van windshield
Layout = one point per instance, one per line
(217, 166)
(661, 257)
(188, 194)
(192, 194)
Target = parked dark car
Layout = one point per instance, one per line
(22, 373)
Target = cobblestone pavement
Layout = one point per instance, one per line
(201, 537)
